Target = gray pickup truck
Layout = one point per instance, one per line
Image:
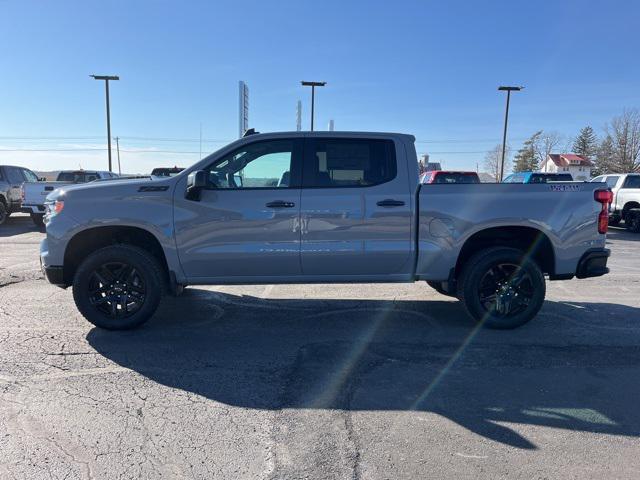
(320, 208)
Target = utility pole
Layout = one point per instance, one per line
(506, 119)
(299, 116)
(118, 150)
(313, 86)
(106, 79)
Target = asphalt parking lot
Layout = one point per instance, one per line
(323, 381)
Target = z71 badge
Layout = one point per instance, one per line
(564, 188)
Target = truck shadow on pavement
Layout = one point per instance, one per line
(575, 367)
(18, 225)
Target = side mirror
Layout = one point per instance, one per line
(196, 181)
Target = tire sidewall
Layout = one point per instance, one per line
(476, 269)
(3, 213)
(147, 268)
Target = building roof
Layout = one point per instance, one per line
(568, 159)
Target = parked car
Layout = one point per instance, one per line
(166, 171)
(323, 207)
(442, 176)
(11, 179)
(537, 177)
(626, 194)
(34, 194)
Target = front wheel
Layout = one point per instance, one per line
(502, 287)
(633, 221)
(118, 287)
(3, 213)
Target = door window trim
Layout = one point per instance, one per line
(295, 172)
(309, 154)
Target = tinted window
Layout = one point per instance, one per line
(546, 177)
(612, 180)
(598, 179)
(632, 181)
(257, 165)
(77, 177)
(349, 162)
(14, 175)
(517, 178)
(456, 177)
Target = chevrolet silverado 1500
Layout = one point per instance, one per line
(322, 207)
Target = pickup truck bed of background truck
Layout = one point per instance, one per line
(322, 207)
(34, 193)
(11, 178)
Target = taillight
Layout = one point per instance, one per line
(605, 197)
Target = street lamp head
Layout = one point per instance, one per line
(105, 77)
(313, 84)
(511, 89)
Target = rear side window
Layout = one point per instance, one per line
(354, 162)
(14, 175)
(611, 181)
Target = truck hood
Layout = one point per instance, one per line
(117, 186)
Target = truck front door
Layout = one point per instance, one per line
(246, 223)
(356, 208)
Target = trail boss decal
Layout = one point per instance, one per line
(564, 188)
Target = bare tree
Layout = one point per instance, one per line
(493, 158)
(546, 144)
(624, 131)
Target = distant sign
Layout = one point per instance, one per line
(243, 108)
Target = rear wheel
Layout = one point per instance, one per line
(38, 219)
(633, 221)
(439, 287)
(118, 287)
(3, 213)
(502, 288)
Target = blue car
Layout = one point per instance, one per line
(537, 177)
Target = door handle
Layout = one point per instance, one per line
(280, 204)
(390, 203)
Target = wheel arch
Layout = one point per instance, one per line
(92, 239)
(535, 243)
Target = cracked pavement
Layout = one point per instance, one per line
(318, 381)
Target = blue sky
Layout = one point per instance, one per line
(429, 68)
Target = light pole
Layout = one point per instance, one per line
(506, 119)
(106, 79)
(313, 86)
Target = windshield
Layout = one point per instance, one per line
(456, 177)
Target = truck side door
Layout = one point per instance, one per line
(246, 222)
(355, 208)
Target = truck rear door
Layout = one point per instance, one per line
(356, 208)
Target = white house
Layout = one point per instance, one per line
(579, 167)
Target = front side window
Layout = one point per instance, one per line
(257, 165)
(29, 175)
(612, 180)
(332, 163)
(632, 181)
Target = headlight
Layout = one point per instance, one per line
(53, 209)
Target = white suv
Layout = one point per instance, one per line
(626, 193)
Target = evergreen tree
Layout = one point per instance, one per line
(525, 159)
(605, 157)
(586, 143)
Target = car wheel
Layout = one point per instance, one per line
(3, 213)
(437, 286)
(614, 221)
(38, 219)
(633, 222)
(118, 287)
(502, 287)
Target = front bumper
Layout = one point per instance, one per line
(53, 273)
(593, 263)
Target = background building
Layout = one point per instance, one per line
(579, 167)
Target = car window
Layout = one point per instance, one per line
(612, 180)
(515, 178)
(456, 177)
(336, 162)
(14, 175)
(632, 181)
(598, 179)
(257, 165)
(29, 175)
